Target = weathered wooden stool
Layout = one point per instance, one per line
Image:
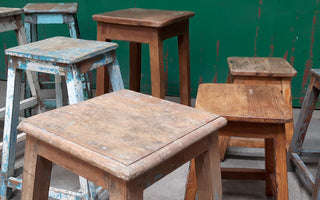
(252, 112)
(275, 72)
(123, 141)
(54, 13)
(152, 27)
(295, 151)
(59, 56)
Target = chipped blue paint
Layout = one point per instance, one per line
(157, 177)
(115, 75)
(50, 19)
(63, 50)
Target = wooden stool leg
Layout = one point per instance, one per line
(286, 91)
(75, 93)
(36, 173)
(156, 64)
(304, 117)
(316, 186)
(10, 128)
(135, 66)
(269, 164)
(74, 28)
(184, 66)
(59, 101)
(191, 185)
(281, 177)
(115, 75)
(208, 172)
(102, 82)
(125, 191)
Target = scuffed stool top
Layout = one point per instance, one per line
(260, 66)
(51, 8)
(125, 133)
(5, 12)
(143, 17)
(61, 50)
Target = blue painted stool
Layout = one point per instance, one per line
(54, 13)
(61, 56)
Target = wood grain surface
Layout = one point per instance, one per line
(143, 17)
(51, 8)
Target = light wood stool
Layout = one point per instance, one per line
(275, 72)
(59, 56)
(295, 151)
(54, 13)
(152, 27)
(123, 141)
(252, 112)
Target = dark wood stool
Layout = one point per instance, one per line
(252, 112)
(152, 27)
(295, 151)
(123, 141)
(275, 72)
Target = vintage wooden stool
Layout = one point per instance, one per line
(59, 56)
(295, 151)
(152, 27)
(275, 72)
(252, 112)
(54, 13)
(123, 141)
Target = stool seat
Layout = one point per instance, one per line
(260, 66)
(4, 11)
(262, 104)
(143, 17)
(128, 140)
(62, 50)
(51, 8)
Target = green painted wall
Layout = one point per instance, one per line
(220, 28)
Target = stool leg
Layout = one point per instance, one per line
(316, 186)
(59, 101)
(115, 75)
(20, 32)
(156, 64)
(304, 117)
(269, 164)
(184, 67)
(10, 128)
(281, 177)
(32, 32)
(208, 172)
(36, 173)
(75, 93)
(191, 185)
(74, 28)
(135, 66)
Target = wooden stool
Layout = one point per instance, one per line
(59, 56)
(275, 72)
(252, 112)
(54, 13)
(152, 27)
(123, 141)
(300, 131)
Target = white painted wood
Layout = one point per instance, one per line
(26, 103)
(115, 75)
(7, 24)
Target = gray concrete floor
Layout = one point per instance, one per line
(172, 187)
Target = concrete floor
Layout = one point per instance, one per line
(172, 187)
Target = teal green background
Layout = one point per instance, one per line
(220, 28)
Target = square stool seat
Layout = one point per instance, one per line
(260, 66)
(123, 141)
(5, 12)
(61, 50)
(252, 111)
(143, 17)
(51, 8)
